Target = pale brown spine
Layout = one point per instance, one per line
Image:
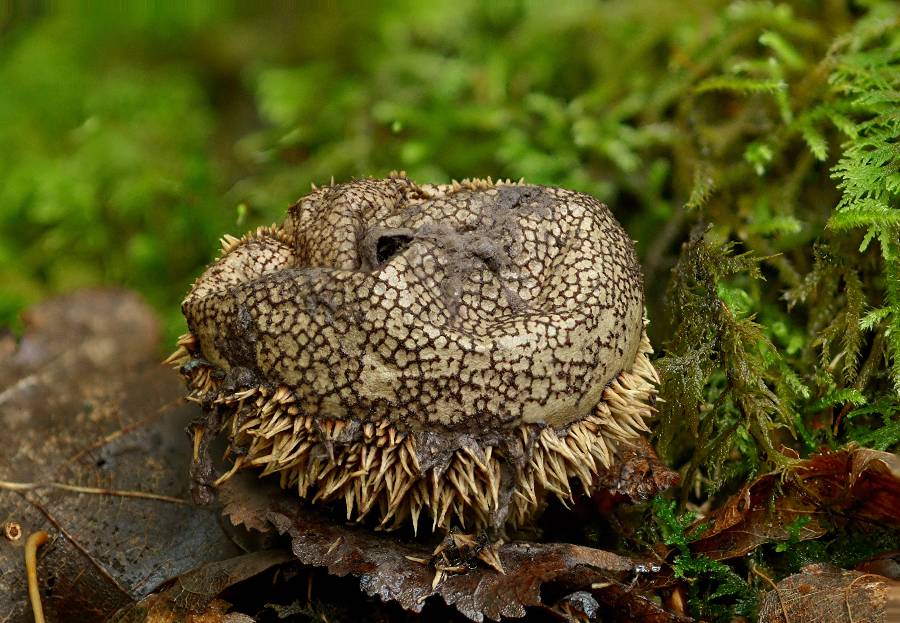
(379, 470)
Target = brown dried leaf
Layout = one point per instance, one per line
(195, 596)
(638, 474)
(382, 563)
(822, 593)
(855, 484)
(159, 609)
(85, 401)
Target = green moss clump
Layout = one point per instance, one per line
(715, 591)
(797, 164)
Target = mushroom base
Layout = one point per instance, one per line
(492, 480)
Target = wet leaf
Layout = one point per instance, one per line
(195, 596)
(823, 593)
(638, 474)
(84, 402)
(858, 485)
(536, 574)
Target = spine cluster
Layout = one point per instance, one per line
(374, 468)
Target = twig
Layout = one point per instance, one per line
(849, 588)
(29, 486)
(864, 372)
(840, 418)
(774, 588)
(99, 443)
(35, 540)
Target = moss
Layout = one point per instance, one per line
(715, 591)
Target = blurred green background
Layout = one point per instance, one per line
(133, 135)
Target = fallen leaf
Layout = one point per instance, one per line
(195, 596)
(856, 484)
(823, 593)
(386, 563)
(85, 402)
(638, 474)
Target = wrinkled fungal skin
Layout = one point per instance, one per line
(465, 307)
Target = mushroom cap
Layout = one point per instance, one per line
(465, 350)
(469, 307)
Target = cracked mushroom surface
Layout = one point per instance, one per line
(459, 352)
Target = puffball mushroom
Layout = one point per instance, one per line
(463, 351)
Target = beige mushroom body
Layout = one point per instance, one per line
(456, 350)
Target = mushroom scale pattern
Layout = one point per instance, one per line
(462, 350)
